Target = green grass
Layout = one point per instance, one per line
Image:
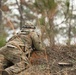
(2, 41)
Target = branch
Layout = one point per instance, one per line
(20, 11)
(28, 5)
(10, 23)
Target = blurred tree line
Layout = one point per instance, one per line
(55, 18)
(2, 32)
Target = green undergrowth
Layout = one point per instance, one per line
(2, 41)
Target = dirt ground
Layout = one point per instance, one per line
(62, 54)
(40, 66)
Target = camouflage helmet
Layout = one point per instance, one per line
(28, 27)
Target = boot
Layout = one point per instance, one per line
(15, 69)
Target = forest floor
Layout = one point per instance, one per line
(41, 66)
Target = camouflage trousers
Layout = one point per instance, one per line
(16, 57)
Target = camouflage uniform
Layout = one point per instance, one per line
(19, 47)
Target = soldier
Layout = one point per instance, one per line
(18, 49)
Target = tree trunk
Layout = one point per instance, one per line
(50, 17)
(69, 35)
(51, 32)
(1, 26)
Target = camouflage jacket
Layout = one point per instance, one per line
(26, 42)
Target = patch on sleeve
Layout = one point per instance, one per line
(11, 46)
